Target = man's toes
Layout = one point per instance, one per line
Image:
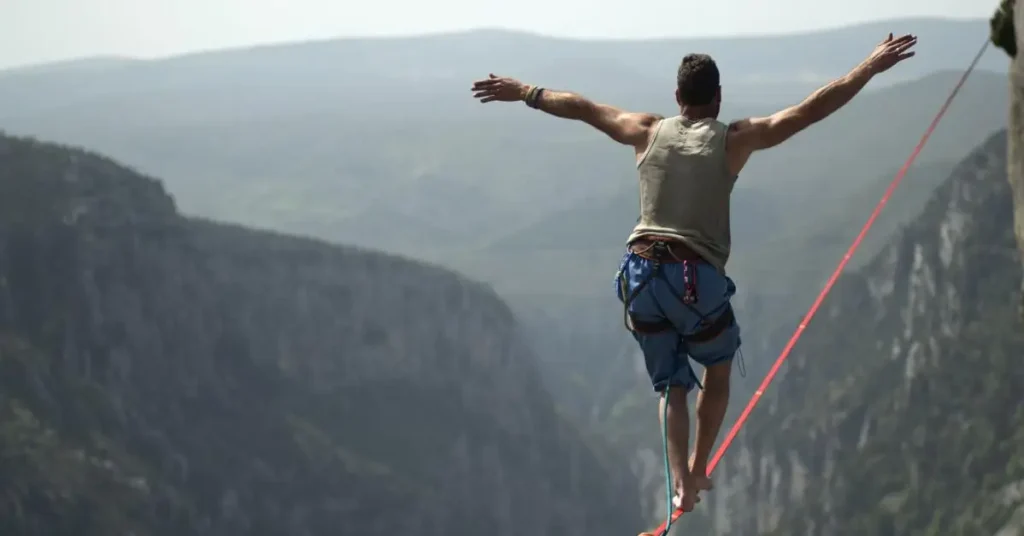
(677, 500)
(685, 502)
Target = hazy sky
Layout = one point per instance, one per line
(42, 30)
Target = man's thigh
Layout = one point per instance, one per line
(666, 359)
(713, 292)
(718, 350)
(666, 354)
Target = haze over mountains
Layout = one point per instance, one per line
(376, 143)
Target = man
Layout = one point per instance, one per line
(672, 277)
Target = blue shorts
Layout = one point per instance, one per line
(666, 354)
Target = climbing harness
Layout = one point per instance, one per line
(661, 251)
(674, 515)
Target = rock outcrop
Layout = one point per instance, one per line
(1016, 126)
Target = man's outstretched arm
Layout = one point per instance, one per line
(757, 133)
(627, 128)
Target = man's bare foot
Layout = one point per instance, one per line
(703, 483)
(685, 501)
(687, 495)
(700, 477)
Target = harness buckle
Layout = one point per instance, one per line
(660, 249)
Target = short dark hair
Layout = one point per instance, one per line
(697, 80)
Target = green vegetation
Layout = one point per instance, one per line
(166, 376)
(1003, 33)
(900, 407)
(61, 482)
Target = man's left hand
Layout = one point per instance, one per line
(499, 88)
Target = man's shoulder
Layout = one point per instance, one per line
(738, 131)
(737, 125)
(656, 120)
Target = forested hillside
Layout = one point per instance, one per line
(168, 376)
(900, 411)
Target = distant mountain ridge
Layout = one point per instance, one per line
(91, 63)
(749, 63)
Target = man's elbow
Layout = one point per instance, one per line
(773, 136)
(784, 128)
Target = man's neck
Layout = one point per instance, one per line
(696, 113)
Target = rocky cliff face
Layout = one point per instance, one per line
(900, 412)
(164, 376)
(1016, 126)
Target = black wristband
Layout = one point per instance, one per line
(533, 97)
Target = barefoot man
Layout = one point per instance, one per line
(672, 277)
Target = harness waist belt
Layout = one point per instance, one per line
(661, 249)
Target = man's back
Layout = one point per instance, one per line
(685, 186)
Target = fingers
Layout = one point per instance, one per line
(494, 88)
(489, 83)
(898, 49)
(890, 41)
(902, 41)
(904, 46)
(892, 51)
(906, 40)
(487, 90)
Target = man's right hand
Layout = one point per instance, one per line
(757, 133)
(890, 52)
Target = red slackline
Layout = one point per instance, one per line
(660, 531)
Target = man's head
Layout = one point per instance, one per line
(698, 86)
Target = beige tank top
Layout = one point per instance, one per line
(685, 186)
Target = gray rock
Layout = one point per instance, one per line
(1016, 128)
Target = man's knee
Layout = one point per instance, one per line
(678, 385)
(718, 354)
(718, 376)
(676, 394)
